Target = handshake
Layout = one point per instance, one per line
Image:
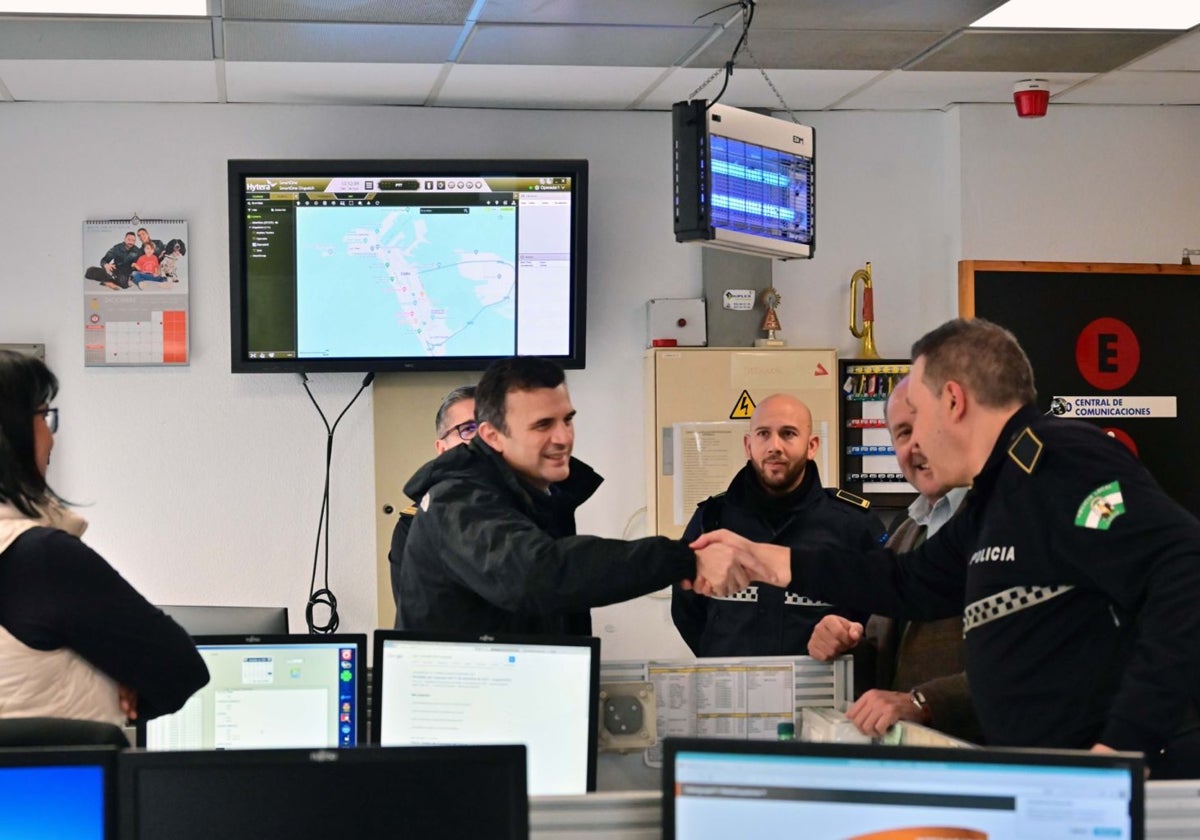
(727, 562)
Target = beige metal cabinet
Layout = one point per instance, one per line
(405, 405)
(698, 407)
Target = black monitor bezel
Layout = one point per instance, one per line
(359, 640)
(384, 635)
(83, 756)
(130, 764)
(256, 619)
(240, 169)
(1132, 763)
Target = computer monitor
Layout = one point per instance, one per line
(542, 692)
(204, 620)
(723, 788)
(57, 792)
(270, 692)
(426, 792)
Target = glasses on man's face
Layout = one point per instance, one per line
(51, 415)
(465, 430)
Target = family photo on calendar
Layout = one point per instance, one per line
(123, 257)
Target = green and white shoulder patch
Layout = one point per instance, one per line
(1101, 507)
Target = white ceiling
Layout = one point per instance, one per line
(585, 54)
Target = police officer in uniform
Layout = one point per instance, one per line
(777, 497)
(455, 425)
(1080, 576)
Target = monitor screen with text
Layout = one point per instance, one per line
(714, 790)
(270, 692)
(540, 692)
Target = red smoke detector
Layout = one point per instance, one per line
(1031, 97)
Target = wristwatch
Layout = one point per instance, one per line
(918, 698)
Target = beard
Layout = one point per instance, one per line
(777, 478)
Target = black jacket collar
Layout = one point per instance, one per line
(477, 460)
(1025, 416)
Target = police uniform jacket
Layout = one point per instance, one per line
(489, 553)
(1081, 581)
(396, 553)
(764, 620)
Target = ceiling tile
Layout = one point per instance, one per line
(324, 82)
(942, 15)
(533, 87)
(802, 90)
(79, 38)
(1047, 51)
(350, 11)
(1183, 53)
(796, 49)
(356, 43)
(601, 46)
(640, 12)
(110, 81)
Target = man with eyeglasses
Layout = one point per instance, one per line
(493, 547)
(455, 425)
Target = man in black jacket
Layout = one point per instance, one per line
(117, 263)
(493, 545)
(455, 425)
(1080, 576)
(776, 498)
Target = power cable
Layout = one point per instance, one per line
(324, 596)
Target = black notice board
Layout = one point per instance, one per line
(1107, 331)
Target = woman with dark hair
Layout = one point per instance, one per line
(76, 640)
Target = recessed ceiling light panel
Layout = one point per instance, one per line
(1093, 14)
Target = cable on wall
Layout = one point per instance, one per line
(324, 596)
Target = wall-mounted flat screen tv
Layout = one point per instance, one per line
(406, 265)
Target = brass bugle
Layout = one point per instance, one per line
(867, 332)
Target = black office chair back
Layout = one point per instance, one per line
(59, 732)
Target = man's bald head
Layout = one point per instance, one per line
(780, 443)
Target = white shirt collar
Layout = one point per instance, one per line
(934, 516)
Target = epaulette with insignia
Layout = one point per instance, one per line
(1026, 450)
(411, 510)
(850, 498)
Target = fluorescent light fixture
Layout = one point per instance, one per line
(1093, 14)
(107, 8)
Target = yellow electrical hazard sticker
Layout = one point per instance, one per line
(743, 408)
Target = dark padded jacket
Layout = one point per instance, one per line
(488, 553)
(765, 620)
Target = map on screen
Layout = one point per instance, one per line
(395, 281)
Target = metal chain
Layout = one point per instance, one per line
(770, 84)
(707, 82)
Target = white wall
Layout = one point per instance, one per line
(1083, 184)
(204, 486)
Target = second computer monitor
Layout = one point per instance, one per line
(213, 620)
(538, 691)
(270, 692)
(714, 789)
(431, 793)
(57, 792)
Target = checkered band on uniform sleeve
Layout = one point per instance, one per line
(791, 599)
(1008, 602)
(749, 594)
